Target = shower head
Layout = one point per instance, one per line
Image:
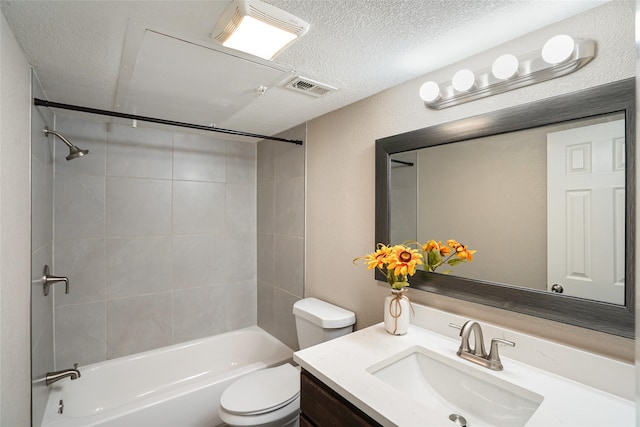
(73, 150)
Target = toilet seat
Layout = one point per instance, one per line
(262, 392)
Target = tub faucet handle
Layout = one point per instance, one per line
(49, 279)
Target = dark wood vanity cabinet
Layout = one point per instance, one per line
(320, 406)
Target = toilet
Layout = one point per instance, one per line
(271, 397)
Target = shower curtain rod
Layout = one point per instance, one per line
(45, 103)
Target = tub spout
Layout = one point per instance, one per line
(52, 377)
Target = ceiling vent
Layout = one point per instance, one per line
(309, 87)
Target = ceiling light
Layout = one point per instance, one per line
(560, 56)
(257, 28)
(558, 49)
(430, 91)
(505, 67)
(463, 80)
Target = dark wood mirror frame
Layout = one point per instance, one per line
(606, 99)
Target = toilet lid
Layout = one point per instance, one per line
(262, 391)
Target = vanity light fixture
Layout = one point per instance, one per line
(257, 28)
(463, 80)
(505, 67)
(561, 55)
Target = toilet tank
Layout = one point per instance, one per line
(318, 321)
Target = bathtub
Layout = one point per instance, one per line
(173, 386)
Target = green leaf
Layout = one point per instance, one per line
(455, 261)
(434, 257)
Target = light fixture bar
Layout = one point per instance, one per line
(532, 69)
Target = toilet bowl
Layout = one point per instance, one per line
(271, 397)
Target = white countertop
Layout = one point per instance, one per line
(569, 400)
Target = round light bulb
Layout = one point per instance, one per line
(505, 67)
(558, 49)
(430, 92)
(463, 80)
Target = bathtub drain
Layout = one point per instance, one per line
(61, 406)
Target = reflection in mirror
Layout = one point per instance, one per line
(542, 206)
(517, 185)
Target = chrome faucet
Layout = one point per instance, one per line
(478, 354)
(52, 377)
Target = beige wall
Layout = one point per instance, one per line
(15, 220)
(340, 173)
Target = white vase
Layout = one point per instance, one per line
(397, 312)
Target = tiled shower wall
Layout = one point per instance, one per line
(41, 253)
(156, 230)
(281, 245)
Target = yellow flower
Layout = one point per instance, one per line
(378, 258)
(403, 260)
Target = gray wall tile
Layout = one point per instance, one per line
(138, 265)
(150, 245)
(199, 312)
(240, 257)
(289, 161)
(241, 308)
(265, 305)
(284, 322)
(41, 319)
(240, 212)
(80, 334)
(280, 226)
(198, 207)
(139, 152)
(83, 262)
(196, 260)
(138, 324)
(290, 258)
(290, 207)
(266, 161)
(138, 207)
(42, 201)
(266, 258)
(199, 158)
(266, 199)
(79, 205)
(241, 163)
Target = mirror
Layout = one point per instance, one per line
(468, 166)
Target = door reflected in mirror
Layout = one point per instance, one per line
(543, 207)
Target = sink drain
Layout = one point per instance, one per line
(458, 419)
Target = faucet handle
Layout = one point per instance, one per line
(494, 356)
(454, 326)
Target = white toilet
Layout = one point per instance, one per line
(271, 397)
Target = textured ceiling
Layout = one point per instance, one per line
(360, 47)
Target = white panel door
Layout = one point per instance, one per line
(586, 211)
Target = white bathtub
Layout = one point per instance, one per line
(175, 386)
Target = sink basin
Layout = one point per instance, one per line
(457, 392)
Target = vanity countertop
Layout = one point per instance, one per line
(596, 391)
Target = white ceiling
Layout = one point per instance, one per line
(83, 54)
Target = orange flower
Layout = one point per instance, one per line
(465, 254)
(439, 246)
(454, 244)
